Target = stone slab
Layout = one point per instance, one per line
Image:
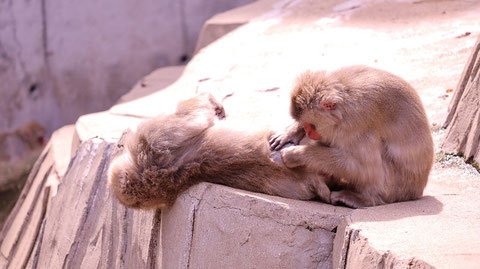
(158, 80)
(18, 234)
(64, 146)
(225, 22)
(219, 227)
(86, 227)
(440, 231)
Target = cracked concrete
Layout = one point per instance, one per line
(235, 224)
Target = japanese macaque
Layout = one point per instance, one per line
(168, 154)
(19, 150)
(16, 144)
(368, 132)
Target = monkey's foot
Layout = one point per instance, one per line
(347, 198)
(322, 190)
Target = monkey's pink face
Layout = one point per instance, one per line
(311, 132)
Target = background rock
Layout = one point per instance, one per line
(60, 60)
(463, 134)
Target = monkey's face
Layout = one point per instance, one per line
(318, 125)
(34, 134)
(317, 103)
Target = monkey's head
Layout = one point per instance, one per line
(205, 103)
(33, 134)
(317, 103)
(130, 188)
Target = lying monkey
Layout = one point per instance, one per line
(170, 153)
(371, 145)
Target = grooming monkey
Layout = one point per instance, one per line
(370, 135)
(168, 154)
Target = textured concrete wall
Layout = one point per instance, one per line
(59, 60)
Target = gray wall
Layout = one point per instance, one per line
(61, 59)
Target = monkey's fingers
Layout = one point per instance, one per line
(273, 142)
(277, 141)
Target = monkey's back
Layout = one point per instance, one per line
(394, 111)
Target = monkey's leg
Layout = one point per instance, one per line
(293, 134)
(348, 198)
(320, 188)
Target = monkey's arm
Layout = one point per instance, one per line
(365, 164)
(293, 134)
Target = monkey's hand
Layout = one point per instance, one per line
(276, 156)
(277, 141)
(293, 156)
(293, 135)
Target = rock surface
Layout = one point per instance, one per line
(216, 226)
(219, 227)
(463, 134)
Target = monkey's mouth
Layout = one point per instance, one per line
(311, 132)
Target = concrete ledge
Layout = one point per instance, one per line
(225, 22)
(436, 231)
(213, 226)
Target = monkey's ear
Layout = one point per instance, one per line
(328, 103)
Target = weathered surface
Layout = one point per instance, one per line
(218, 227)
(463, 132)
(87, 228)
(432, 232)
(223, 23)
(21, 228)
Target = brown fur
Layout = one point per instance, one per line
(16, 144)
(168, 154)
(18, 151)
(375, 137)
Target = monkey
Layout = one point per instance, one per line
(367, 130)
(18, 151)
(169, 153)
(15, 144)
